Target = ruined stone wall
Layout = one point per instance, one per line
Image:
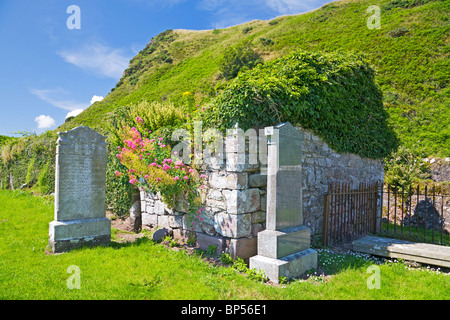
(321, 165)
(234, 196)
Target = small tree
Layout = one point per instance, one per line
(235, 58)
(404, 168)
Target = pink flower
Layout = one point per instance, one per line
(158, 179)
(199, 211)
(185, 177)
(201, 219)
(160, 139)
(179, 163)
(146, 177)
(176, 178)
(191, 170)
(139, 120)
(202, 176)
(133, 181)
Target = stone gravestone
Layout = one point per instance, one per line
(284, 247)
(79, 191)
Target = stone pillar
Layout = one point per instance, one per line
(284, 247)
(80, 215)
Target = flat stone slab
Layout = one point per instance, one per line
(291, 266)
(392, 248)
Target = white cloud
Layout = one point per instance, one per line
(99, 59)
(294, 6)
(96, 98)
(232, 12)
(44, 122)
(74, 113)
(53, 97)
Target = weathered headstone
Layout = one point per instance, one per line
(284, 247)
(79, 191)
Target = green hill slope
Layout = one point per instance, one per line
(409, 53)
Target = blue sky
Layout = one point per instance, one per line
(48, 70)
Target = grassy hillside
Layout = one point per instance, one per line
(409, 53)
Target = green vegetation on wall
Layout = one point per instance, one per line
(333, 94)
(29, 161)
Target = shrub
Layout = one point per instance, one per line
(404, 168)
(235, 58)
(398, 32)
(160, 119)
(266, 42)
(150, 167)
(43, 182)
(247, 30)
(335, 95)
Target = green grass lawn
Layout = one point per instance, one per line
(146, 270)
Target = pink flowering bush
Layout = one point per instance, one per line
(151, 168)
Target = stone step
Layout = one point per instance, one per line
(392, 248)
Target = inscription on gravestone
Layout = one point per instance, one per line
(80, 181)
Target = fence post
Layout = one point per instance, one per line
(326, 214)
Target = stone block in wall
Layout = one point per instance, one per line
(258, 217)
(243, 248)
(214, 194)
(204, 241)
(163, 221)
(189, 224)
(256, 228)
(227, 180)
(149, 219)
(215, 204)
(232, 225)
(263, 202)
(182, 205)
(149, 209)
(208, 229)
(181, 234)
(159, 207)
(237, 162)
(136, 216)
(175, 222)
(257, 180)
(242, 201)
